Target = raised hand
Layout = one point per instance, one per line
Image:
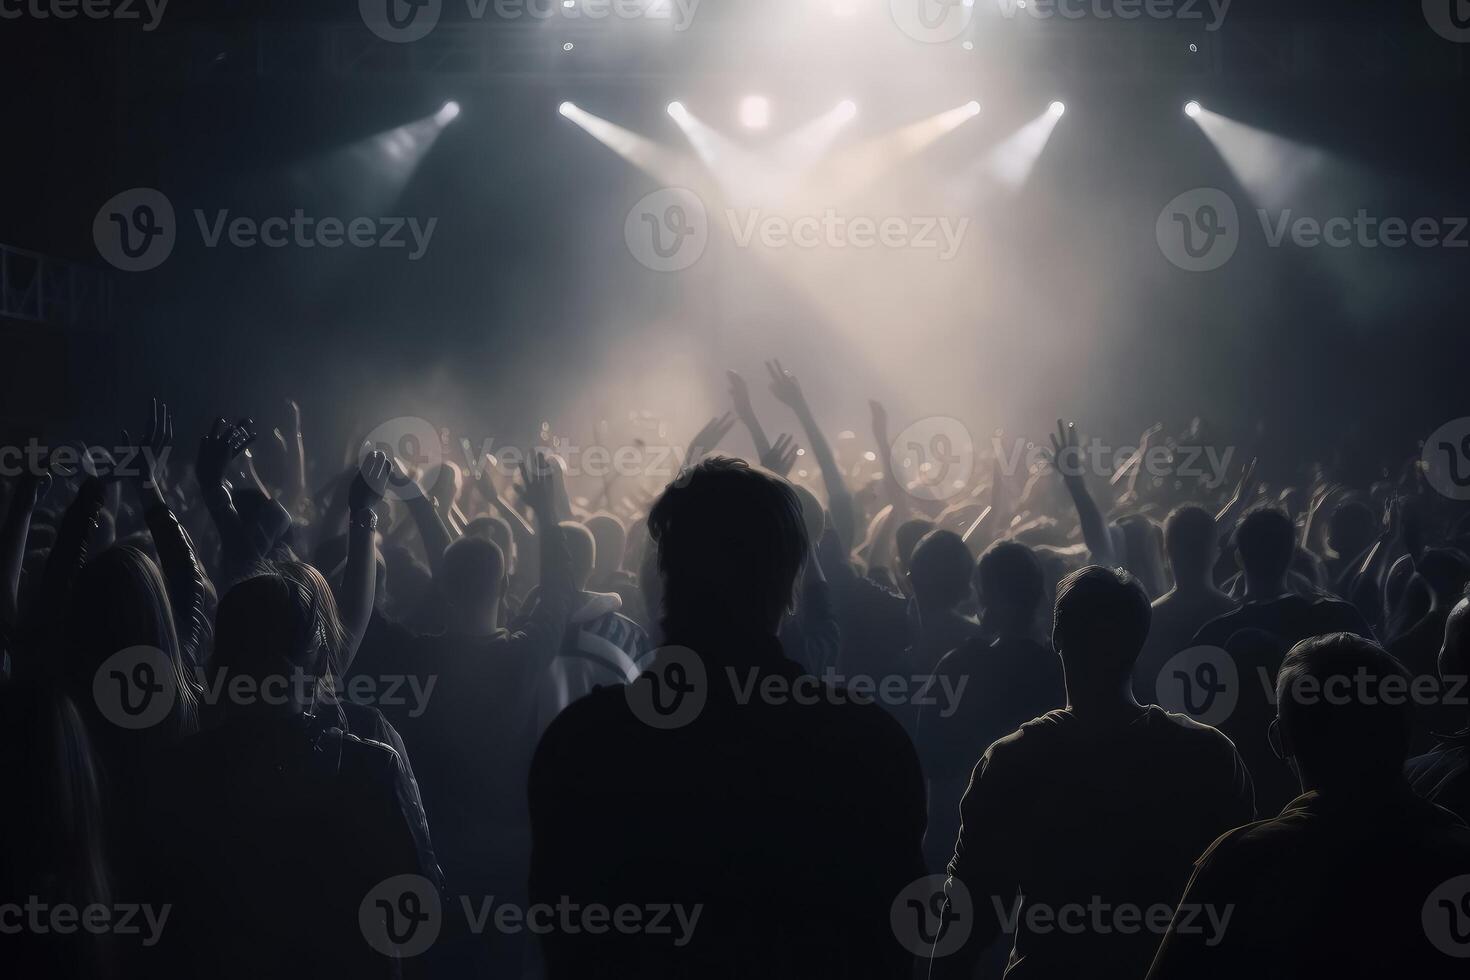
(785, 386)
(707, 438)
(1065, 456)
(537, 485)
(782, 455)
(740, 395)
(221, 444)
(370, 482)
(152, 452)
(880, 422)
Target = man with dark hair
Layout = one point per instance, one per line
(986, 688)
(1357, 876)
(1097, 809)
(1442, 775)
(781, 818)
(1265, 543)
(939, 573)
(1190, 544)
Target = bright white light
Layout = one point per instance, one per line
(1191, 109)
(447, 114)
(972, 107)
(755, 112)
(676, 109)
(968, 45)
(1057, 108)
(846, 109)
(566, 108)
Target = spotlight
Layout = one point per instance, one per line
(448, 113)
(676, 109)
(1057, 108)
(1191, 108)
(972, 107)
(755, 112)
(968, 45)
(566, 108)
(846, 109)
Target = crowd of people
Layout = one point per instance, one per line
(790, 716)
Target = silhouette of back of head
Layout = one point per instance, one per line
(1102, 620)
(731, 543)
(279, 622)
(1351, 528)
(1454, 655)
(1265, 542)
(940, 569)
(1343, 707)
(1189, 540)
(612, 541)
(907, 538)
(1009, 581)
(474, 569)
(582, 548)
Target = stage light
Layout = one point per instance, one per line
(1057, 108)
(972, 107)
(755, 112)
(448, 113)
(1191, 108)
(566, 108)
(846, 109)
(676, 109)
(968, 45)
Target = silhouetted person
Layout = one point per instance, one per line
(986, 688)
(1190, 543)
(790, 823)
(1442, 775)
(1349, 880)
(1103, 803)
(939, 574)
(1265, 542)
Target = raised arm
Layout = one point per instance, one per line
(839, 501)
(740, 395)
(1066, 459)
(359, 576)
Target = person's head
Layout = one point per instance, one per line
(120, 601)
(1008, 583)
(612, 540)
(582, 547)
(812, 512)
(1264, 544)
(474, 575)
(1454, 654)
(731, 543)
(492, 527)
(1102, 620)
(1343, 713)
(1446, 571)
(1351, 528)
(940, 570)
(1143, 546)
(280, 621)
(907, 537)
(1189, 541)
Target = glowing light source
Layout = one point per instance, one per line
(676, 109)
(1056, 108)
(566, 108)
(448, 113)
(1191, 108)
(755, 112)
(846, 109)
(972, 107)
